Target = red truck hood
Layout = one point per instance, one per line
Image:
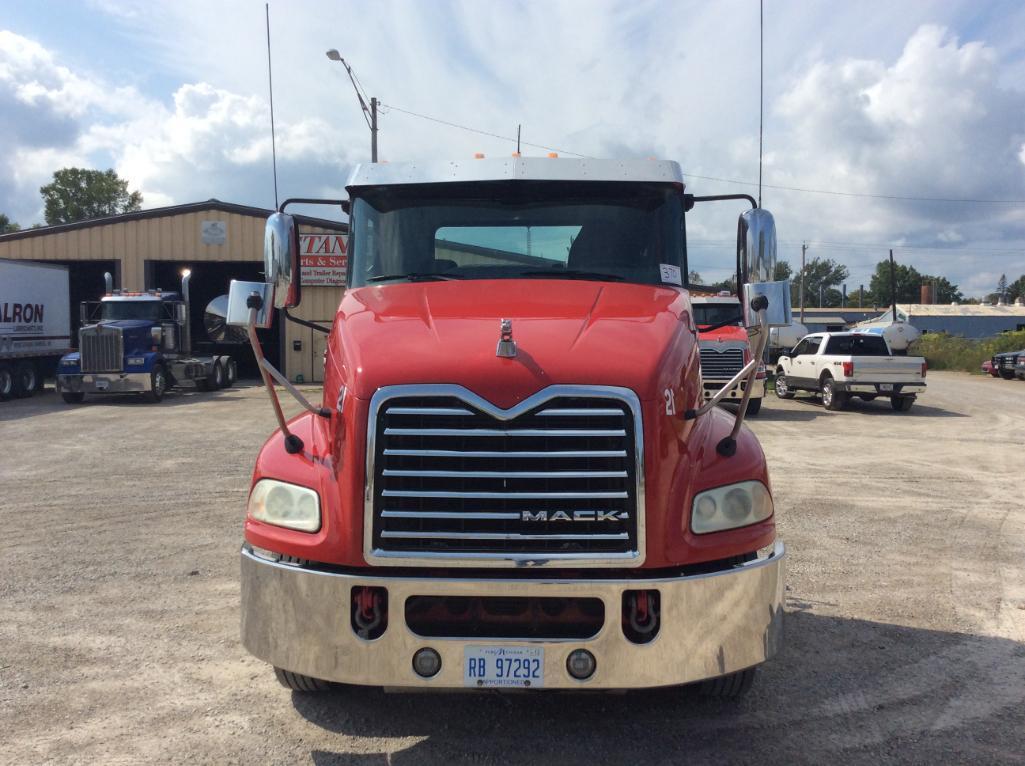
(730, 333)
(566, 332)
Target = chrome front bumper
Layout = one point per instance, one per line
(711, 388)
(105, 382)
(713, 624)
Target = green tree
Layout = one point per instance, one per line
(79, 194)
(824, 273)
(783, 271)
(1002, 287)
(693, 278)
(7, 225)
(1016, 289)
(907, 283)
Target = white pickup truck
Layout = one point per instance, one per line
(840, 365)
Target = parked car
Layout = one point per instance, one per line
(840, 365)
(988, 369)
(1006, 363)
(1019, 367)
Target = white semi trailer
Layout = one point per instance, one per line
(35, 324)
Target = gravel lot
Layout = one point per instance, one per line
(905, 612)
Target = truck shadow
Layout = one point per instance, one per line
(841, 688)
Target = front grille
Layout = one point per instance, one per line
(455, 478)
(722, 364)
(1007, 361)
(101, 348)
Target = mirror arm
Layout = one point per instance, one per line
(721, 197)
(324, 412)
(342, 203)
(304, 323)
(293, 444)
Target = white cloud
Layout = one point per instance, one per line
(857, 101)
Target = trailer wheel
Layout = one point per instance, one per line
(300, 683)
(732, 686)
(783, 388)
(157, 384)
(6, 381)
(25, 380)
(73, 397)
(831, 398)
(753, 407)
(902, 403)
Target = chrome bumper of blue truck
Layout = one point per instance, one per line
(105, 382)
(298, 619)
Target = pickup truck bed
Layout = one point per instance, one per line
(842, 365)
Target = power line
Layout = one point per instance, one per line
(484, 132)
(962, 250)
(801, 189)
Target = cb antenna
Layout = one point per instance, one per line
(761, 90)
(270, 88)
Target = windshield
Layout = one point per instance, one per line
(114, 310)
(706, 314)
(630, 232)
(857, 345)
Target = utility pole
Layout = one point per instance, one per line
(373, 129)
(861, 294)
(820, 295)
(893, 287)
(369, 113)
(804, 249)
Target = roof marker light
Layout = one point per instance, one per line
(553, 155)
(478, 156)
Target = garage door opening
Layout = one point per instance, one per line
(85, 283)
(210, 279)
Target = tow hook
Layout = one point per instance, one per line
(641, 615)
(369, 612)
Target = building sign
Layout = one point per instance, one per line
(324, 259)
(214, 232)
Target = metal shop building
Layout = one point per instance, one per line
(218, 241)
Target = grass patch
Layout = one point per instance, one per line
(952, 352)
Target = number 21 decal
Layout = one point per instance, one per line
(670, 402)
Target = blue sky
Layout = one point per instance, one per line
(912, 99)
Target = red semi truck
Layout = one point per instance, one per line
(725, 348)
(512, 480)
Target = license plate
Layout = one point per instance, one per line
(886, 386)
(102, 384)
(504, 666)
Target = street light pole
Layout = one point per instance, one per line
(369, 113)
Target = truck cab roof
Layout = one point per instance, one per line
(514, 169)
(150, 295)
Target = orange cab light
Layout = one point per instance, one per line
(515, 154)
(553, 155)
(478, 156)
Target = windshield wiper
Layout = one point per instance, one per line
(416, 277)
(572, 274)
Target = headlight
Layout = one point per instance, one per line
(137, 360)
(285, 505)
(68, 362)
(729, 507)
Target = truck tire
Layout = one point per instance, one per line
(783, 390)
(831, 398)
(753, 407)
(157, 383)
(218, 378)
(73, 397)
(732, 686)
(26, 380)
(300, 683)
(1006, 375)
(6, 381)
(902, 403)
(232, 373)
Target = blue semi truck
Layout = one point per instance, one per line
(139, 342)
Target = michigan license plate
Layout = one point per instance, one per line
(504, 666)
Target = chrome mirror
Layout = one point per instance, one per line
(756, 262)
(238, 299)
(281, 259)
